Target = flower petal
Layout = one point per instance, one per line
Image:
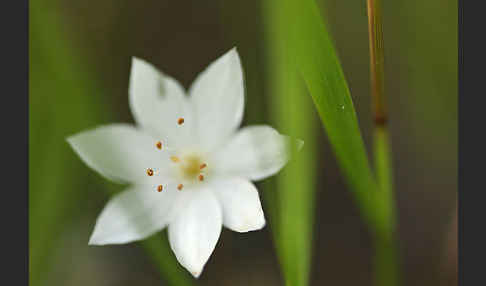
(242, 210)
(120, 152)
(157, 101)
(254, 153)
(195, 232)
(217, 96)
(134, 214)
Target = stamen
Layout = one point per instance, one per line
(180, 120)
(201, 177)
(203, 165)
(160, 188)
(150, 172)
(174, 159)
(159, 145)
(179, 187)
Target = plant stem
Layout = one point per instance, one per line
(386, 260)
(386, 263)
(375, 28)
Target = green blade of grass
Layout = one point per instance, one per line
(292, 201)
(296, 184)
(317, 63)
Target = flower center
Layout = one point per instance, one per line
(188, 167)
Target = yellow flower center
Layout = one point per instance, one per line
(189, 166)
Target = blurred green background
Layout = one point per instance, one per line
(80, 54)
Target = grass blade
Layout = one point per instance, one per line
(318, 65)
(292, 202)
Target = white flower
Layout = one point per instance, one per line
(189, 167)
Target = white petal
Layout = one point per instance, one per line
(255, 152)
(242, 210)
(217, 97)
(195, 231)
(119, 152)
(157, 101)
(134, 214)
